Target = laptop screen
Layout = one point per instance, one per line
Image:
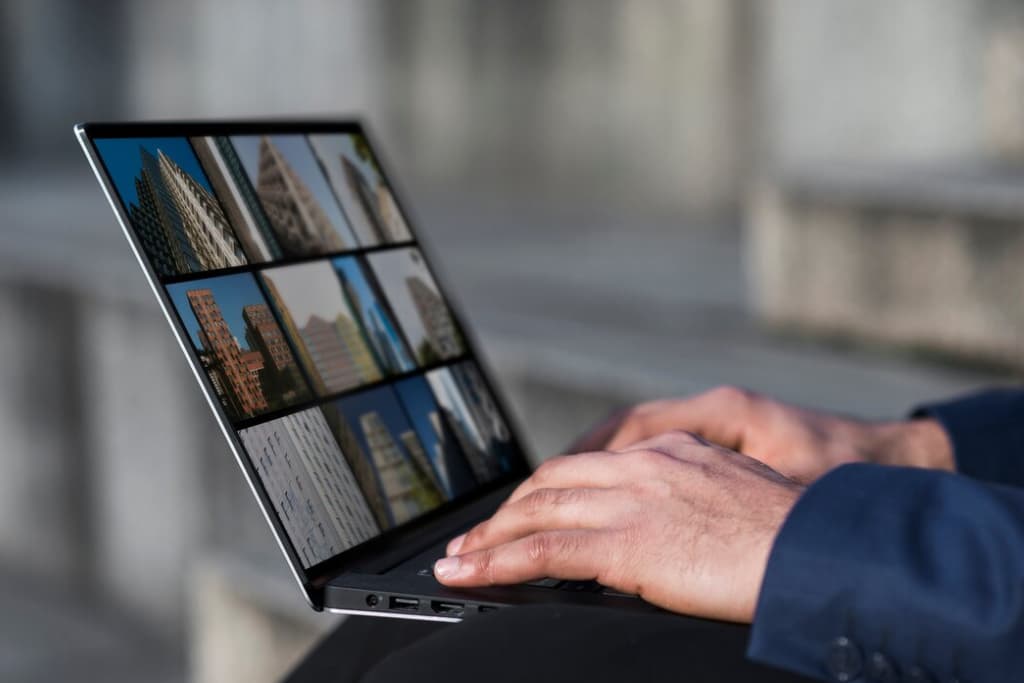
(297, 280)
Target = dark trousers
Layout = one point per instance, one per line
(536, 645)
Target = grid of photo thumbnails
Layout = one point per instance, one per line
(319, 324)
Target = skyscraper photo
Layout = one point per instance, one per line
(403, 474)
(241, 205)
(294, 193)
(473, 414)
(484, 409)
(240, 345)
(422, 313)
(169, 200)
(310, 484)
(358, 183)
(376, 322)
(323, 327)
(436, 436)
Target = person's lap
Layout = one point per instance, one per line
(537, 644)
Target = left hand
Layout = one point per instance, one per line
(801, 443)
(684, 524)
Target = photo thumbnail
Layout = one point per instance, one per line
(293, 191)
(359, 184)
(436, 435)
(240, 345)
(367, 302)
(422, 313)
(323, 327)
(474, 416)
(310, 484)
(171, 206)
(238, 198)
(386, 454)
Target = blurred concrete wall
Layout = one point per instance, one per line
(873, 80)
(643, 100)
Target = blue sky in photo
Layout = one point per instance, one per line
(382, 401)
(124, 161)
(419, 402)
(231, 292)
(300, 157)
(355, 273)
(349, 266)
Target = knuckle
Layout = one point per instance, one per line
(653, 488)
(538, 501)
(538, 548)
(544, 548)
(649, 458)
(685, 436)
(484, 565)
(547, 468)
(731, 394)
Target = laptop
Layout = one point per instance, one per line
(346, 383)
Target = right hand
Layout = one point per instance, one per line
(802, 444)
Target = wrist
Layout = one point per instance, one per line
(913, 443)
(775, 512)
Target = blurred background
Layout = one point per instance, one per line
(632, 198)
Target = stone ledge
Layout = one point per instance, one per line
(931, 260)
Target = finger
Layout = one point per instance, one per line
(692, 448)
(719, 415)
(584, 470)
(668, 441)
(601, 434)
(543, 510)
(575, 554)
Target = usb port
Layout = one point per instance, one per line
(410, 604)
(451, 609)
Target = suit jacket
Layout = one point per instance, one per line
(903, 574)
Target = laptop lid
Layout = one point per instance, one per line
(340, 372)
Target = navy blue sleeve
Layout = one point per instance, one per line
(903, 570)
(987, 433)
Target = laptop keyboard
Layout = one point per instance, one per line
(559, 584)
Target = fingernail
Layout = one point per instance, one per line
(455, 544)
(447, 567)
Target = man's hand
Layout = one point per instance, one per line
(802, 444)
(682, 523)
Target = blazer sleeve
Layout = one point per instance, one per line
(987, 433)
(886, 573)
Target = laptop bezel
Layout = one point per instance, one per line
(406, 538)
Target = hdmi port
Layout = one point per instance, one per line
(410, 604)
(451, 609)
